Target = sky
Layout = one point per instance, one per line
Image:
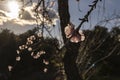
(107, 9)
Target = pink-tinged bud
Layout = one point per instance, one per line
(74, 35)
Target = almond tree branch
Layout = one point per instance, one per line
(85, 19)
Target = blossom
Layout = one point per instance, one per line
(29, 49)
(74, 35)
(45, 62)
(18, 58)
(32, 37)
(18, 52)
(26, 46)
(36, 56)
(39, 35)
(10, 68)
(69, 30)
(32, 53)
(42, 52)
(45, 70)
(77, 37)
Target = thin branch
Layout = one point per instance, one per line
(85, 19)
(108, 20)
(39, 3)
(101, 59)
(101, 43)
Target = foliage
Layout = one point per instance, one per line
(18, 63)
(99, 46)
(7, 50)
(98, 55)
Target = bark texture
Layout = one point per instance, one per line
(69, 60)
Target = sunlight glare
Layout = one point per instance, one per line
(14, 9)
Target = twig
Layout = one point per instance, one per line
(85, 19)
(101, 59)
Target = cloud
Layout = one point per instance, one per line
(3, 17)
(50, 15)
(28, 16)
(3, 5)
(16, 28)
(2, 13)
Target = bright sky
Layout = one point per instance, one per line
(9, 10)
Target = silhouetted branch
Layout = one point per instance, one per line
(101, 59)
(39, 3)
(85, 19)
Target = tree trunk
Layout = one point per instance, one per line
(69, 60)
(63, 10)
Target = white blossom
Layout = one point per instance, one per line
(18, 52)
(37, 55)
(42, 52)
(39, 34)
(69, 30)
(10, 68)
(18, 58)
(73, 35)
(20, 47)
(45, 62)
(26, 46)
(45, 70)
(29, 49)
(32, 53)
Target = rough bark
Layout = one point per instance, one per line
(71, 48)
(69, 60)
(63, 10)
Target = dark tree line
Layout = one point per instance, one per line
(97, 56)
(27, 67)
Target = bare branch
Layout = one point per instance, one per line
(101, 59)
(85, 19)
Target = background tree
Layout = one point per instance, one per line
(7, 51)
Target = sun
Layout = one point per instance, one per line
(13, 7)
